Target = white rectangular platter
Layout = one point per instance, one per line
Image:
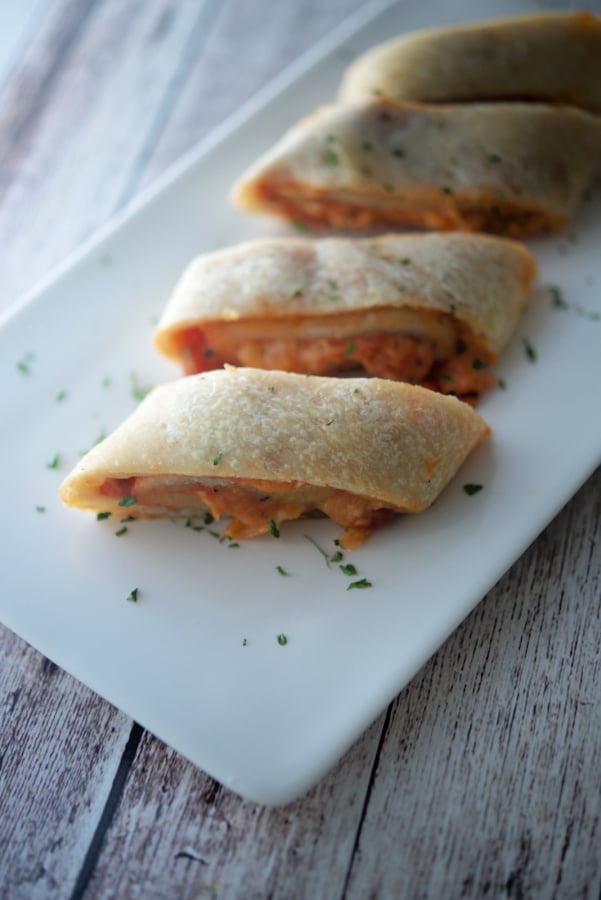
(196, 660)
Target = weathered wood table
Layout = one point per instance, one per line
(483, 778)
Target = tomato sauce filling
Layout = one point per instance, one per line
(466, 373)
(316, 208)
(255, 506)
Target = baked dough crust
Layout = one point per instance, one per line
(437, 287)
(394, 445)
(506, 168)
(553, 58)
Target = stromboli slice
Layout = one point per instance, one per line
(554, 58)
(507, 168)
(265, 447)
(433, 308)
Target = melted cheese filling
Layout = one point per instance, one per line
(254, 506)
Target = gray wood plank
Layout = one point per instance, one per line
(245, 50)
(17, 22)
(77, 117)
(488, 782)
(177, 833)
(60, 747)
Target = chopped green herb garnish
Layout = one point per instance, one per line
(502, 384)
(318, 548)
(23, 368)
(102, 515)
(366, 171)
(471, 489)
(336, 557)
(331, 158)
(282, 640)
(282, 572)
(244, 642)
(557, 298)
(301, 226)
(132, 597)
(478, 364)
(128, 500)
(54, 462)
(60, 396)
(297, 293)
(121, 531)
(388, 187)
(273, 528)
(350, 348)
(401, 287)
(106, 382)
(367, 145)
(396, 151)
(377, 92)
(446, 190)
(40, 509)
(193, 527)
(530, 351)
(233, 545)
(452, 307)
(348, 569)
(217, 459)
(447, 376)
(208, 518)
(494, 158)
(105, 259)
(333, 284)
(360, 585)
(405, 261)
(128, 519)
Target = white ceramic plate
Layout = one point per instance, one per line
(265, 719)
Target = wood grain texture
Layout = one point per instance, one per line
(483, 779)
(496, 745)
(179, 833)
(60, 746)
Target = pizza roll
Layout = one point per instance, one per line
(432, 309)
(265, 447)
(554, 58)
(508, 168)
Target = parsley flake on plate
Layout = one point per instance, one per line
(360, 585)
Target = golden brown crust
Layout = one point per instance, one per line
(391, 444)
(552, 58)
(508, 168)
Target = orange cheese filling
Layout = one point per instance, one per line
(316, 208)
(256, 506)
(465, 373)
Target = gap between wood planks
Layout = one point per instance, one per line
(370, 784)
(112, 802)
(197, 36)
